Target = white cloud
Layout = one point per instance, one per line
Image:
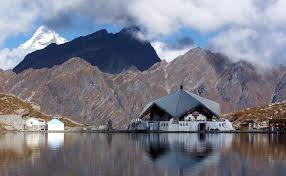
(7, 59)
(16, 16)
(264, 47)
(260, 24)
(164, 17)
(167, 53)
(236, 43)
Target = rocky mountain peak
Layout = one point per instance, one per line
(42, 38)
(111, 53)
(98, 34)
(196, 51)
(77, 63)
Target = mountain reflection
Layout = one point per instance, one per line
(69, 154)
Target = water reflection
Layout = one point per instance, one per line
(34, 140)
(142, 154)
(184, 154)
(55, 140)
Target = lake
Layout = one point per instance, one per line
(69, 154)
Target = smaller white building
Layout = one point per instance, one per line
(34, 124)
(55, 125)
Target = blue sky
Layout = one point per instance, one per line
(249, 30)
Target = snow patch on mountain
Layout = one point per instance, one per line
(43, 36)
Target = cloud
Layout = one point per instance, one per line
(16, 17)
(171, 49)
(7, 59)
(181, 43)
(260, 24)
(158, 17)
(265, 47)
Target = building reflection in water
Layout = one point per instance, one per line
(34, 140)
(16, 147)
(85, 154)
(184, 154)
(55, 140)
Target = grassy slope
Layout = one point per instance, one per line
(10, 104)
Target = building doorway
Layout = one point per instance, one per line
(202, 127)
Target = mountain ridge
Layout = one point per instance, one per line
(83, 92)
(112, 53)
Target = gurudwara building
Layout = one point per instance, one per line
(181, 111)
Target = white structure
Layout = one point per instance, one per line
(35, 124)
(55, 125)
(195, 125)
(181, 111)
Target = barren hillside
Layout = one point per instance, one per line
(259, 114)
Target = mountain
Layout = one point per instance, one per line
(111, 53)
(83, 92)
(40, 39)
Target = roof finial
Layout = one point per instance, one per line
(181, 87)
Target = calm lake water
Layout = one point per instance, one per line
(29, 154)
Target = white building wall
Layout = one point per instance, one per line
(224, 125)
(219, 125)
(34, 122)
(56, 127)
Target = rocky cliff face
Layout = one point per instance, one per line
(5, 78)
(278, 78)
(81, 91)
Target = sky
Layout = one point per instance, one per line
(252, 30)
